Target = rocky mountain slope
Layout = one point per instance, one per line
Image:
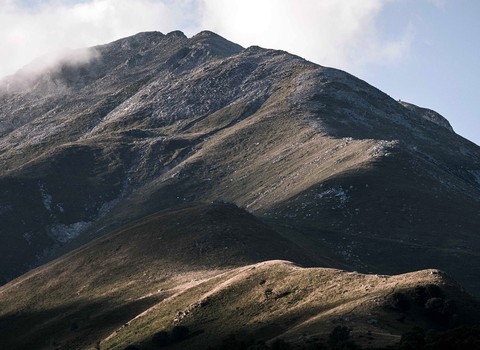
(153, 121)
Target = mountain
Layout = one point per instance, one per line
(160, 164)
(154, 120)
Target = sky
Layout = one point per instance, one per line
(426, 52)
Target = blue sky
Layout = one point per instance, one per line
(441, 69)
(422, 51)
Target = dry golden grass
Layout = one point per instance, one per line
(277, 299)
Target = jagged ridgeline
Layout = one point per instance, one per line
(328, 171)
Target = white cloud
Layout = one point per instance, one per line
(340, 33)
(331, 32)
(30, 29)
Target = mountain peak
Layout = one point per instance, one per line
(177, 33)
(207, 34)
(218, 44)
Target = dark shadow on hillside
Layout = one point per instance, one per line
(375, 220)
(198, 236)
(69, 326)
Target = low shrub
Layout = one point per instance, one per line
(179, 333)
(131, 347)
(440, 310)
(162, 338)
(339, 339)
(176, 335)
(400, 301)
(422, 293)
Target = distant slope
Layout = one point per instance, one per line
(186, 267)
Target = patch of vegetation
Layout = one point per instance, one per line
(441, 310)
(428, 301)
(414, 339)
(338, 339)
(436, 306)
(463, 338)
(456, 339)
(399, 301)
(161, 338)
(131, 347)
(176, 335)
(232, 343)
(421, 294)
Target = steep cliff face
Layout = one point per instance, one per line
(153, 121)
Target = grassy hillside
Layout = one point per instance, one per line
(110, 280)
(192, 267)
(278, 300)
